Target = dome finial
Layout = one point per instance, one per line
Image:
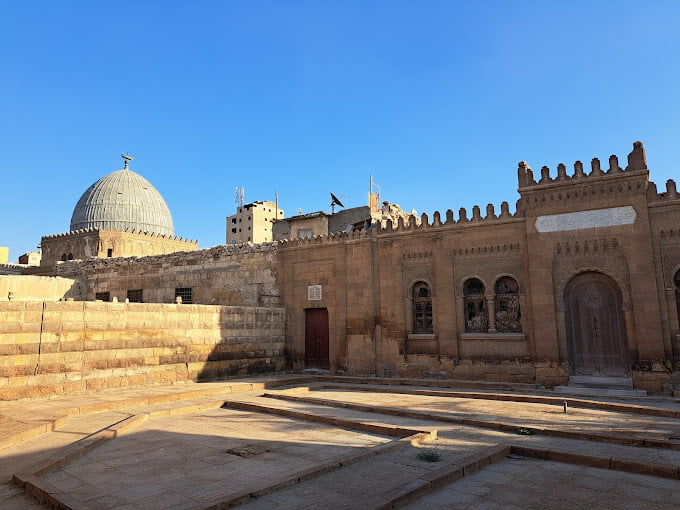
(127, 159)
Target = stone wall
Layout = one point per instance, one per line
(69, 347)
(83, 244)
(38, 288)
(234, 275)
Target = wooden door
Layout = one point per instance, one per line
(596, 334)
(316, 338)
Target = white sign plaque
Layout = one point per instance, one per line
(609, 217)
(314, 292)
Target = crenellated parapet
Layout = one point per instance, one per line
(637, 162)
(415, 224)
(670, 195)
(86, 231)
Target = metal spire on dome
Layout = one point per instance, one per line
(127, 159)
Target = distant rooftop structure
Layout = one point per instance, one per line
(346, 220)
(252, 222)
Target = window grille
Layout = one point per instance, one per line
(474, 301)
(185, 294)
(508, 315)
(422, 309)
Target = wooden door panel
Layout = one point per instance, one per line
(595, 328)
(316, 338)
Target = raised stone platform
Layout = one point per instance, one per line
(600, 386)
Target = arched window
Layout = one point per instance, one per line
(476, 318)
(508, 315)
(64, 258)
(70, 256)
(422, 308)
(676, 280)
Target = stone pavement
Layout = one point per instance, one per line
(303, 442)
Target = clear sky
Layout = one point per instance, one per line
(438, 100)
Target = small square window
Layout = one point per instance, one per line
(135, 295)
(185, 293)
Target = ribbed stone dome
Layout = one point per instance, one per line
(123, 200)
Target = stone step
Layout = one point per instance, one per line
(609, 383)
(600, 386)
(599, 392)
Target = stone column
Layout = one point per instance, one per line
(491, 311)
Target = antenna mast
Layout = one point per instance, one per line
(240, 195)
(374, 185)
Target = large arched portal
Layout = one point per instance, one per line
(596, 334)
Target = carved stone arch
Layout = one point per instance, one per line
(611, 263)
(595, 326)
(426, 281)
(465, 279)
(622, 283)
(509, 275)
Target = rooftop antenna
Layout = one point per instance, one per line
(335, 201)
(374, 185)
(240, 195)
(127, 159)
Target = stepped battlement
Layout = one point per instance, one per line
(637, 162)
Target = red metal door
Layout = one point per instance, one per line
(596, 333)
(316, 338)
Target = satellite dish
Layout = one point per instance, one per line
(335, 201)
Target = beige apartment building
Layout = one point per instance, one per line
(253, 222)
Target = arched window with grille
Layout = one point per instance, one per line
(422, 308)
(474, 302)
(508, 315)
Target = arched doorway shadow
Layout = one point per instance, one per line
(595, 326)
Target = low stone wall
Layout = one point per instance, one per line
(224, 275)
(53, 348)
(539, 373)
(38, 288)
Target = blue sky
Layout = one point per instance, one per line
(438, 100)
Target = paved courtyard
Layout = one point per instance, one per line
(305, 442)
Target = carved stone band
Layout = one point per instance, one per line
(609, 217)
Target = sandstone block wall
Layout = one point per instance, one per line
(38, 288)
(52, 348)
(238, 275)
